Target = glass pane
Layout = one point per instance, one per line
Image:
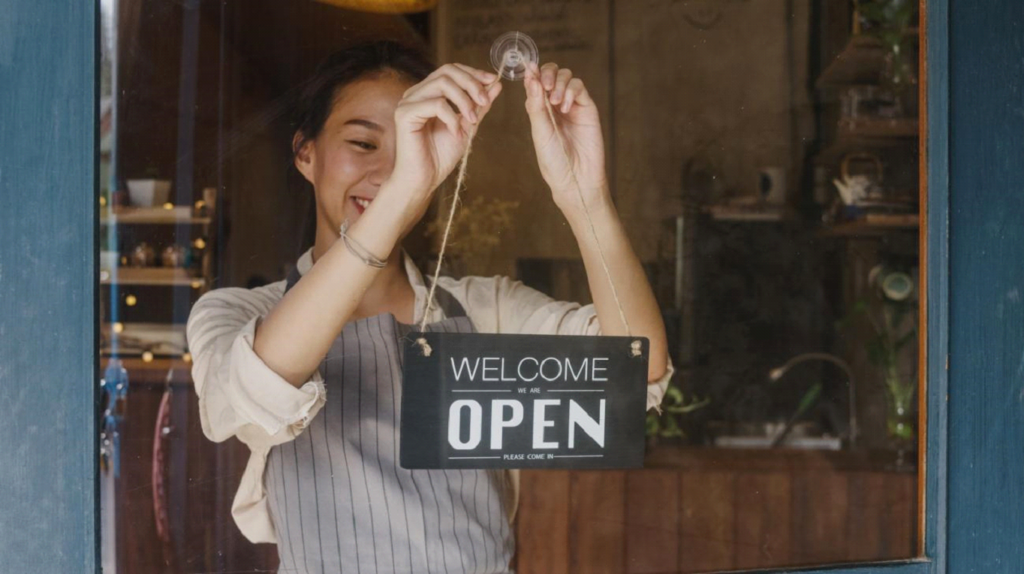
(759, 159)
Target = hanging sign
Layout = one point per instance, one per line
(523, 401)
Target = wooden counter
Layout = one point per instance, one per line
(708, 509)
(690, 510)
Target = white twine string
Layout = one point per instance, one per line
(459, 180)
(586, 211)
(635, 351)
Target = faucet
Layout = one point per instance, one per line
(777, 373)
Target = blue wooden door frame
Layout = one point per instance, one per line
(48, 261)
(974, 503)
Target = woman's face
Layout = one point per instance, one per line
(355, 152)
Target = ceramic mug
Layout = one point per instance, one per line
(771, 184)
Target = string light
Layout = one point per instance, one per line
(199, 243)
(197, 283)
(103, 201)
(147, 356)
(118, 327)
(200, 204)
(187, 357)
(168, 206)
(130, 300)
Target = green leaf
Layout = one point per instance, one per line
(674, 395)
(673, 432)
(873, 11)
(652, 424)
(809, 398)
(905, 339)
(876, 351)
(859, 308)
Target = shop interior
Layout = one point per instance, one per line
(764, 156)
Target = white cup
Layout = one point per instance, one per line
(771, 184)
(148, 192)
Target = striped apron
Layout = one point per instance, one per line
(338, 498)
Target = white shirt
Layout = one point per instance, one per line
(240, 396)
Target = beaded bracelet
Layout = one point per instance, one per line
(359, 251)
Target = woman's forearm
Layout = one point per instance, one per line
(298, 332)
(634, 291)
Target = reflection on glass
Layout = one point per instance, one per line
(763, 156)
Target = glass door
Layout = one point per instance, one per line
(762, 157)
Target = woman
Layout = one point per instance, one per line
(378, 130)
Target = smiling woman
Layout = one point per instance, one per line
(376, 136)
(343, 120)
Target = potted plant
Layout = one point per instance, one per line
(891, 310)
(475, 234)
(890, 22)
(664, 422)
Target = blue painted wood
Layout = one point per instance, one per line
(986, 291)
(937, 278)
(48, 359)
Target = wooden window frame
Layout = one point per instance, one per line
(51, 101)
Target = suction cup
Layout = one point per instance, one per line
(511, 52)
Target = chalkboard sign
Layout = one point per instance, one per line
(523, 401)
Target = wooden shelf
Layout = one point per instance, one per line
(879, 128)
(873, 225)
(860, 63)
(152, 216)
(739, 213)
(168, 276)
(834, 153)
(154, 371)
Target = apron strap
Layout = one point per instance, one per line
(448, 303)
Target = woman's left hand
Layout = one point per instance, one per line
(576, 118)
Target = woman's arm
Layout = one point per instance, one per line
(634, 292)
(430, 139)
(574, 166)
(299, 330)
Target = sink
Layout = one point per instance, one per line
(801, 442)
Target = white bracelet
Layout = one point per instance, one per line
(358, 250)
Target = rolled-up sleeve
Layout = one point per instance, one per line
(239, 395)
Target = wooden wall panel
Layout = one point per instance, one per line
(900, 522)
(652, 521)
(200, 484)
(867, 514)
(139, 549)
(707, 521)
(574, 34)
(694, 520)
(819, 526)
(598, 522)
(542, 522)
(670, 88)
(706, 82)
(763, 516)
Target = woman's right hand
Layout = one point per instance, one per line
(431, 136)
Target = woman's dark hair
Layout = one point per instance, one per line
(345, 66)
